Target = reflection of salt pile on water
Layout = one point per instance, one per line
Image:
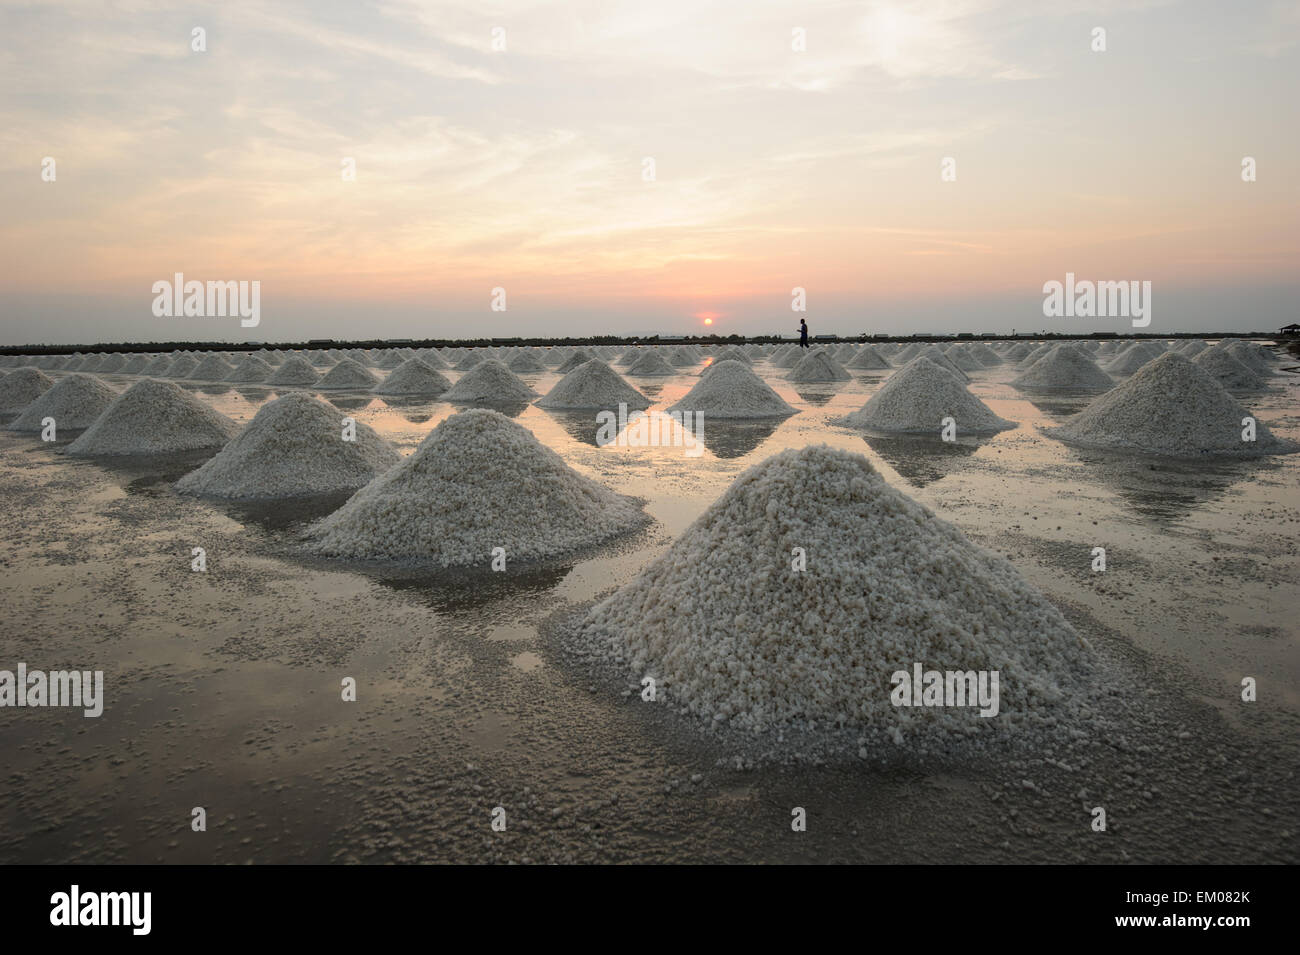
(295, 371)
(1065, 370)
(730, 632)
(593, 385)
(75, 402)
(477, 482)
(490, 382)
(730, 389)
(293, 447)
(818, 366)
(348, 373)
(651, 365)
(917, 398)
(21, 387)
(154, 417)
(1227, 370)
(413, 377)
(1171, 407)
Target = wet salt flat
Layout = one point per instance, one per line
(223, 688)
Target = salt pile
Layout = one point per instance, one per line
(295, 371)
(936, 355)
(1227, 370)
(579, 357)
(731, 634)
(477, 482)
(1171, 407)
(593, 385)
(181, 367)
(134, 365)
(917, 398)
(963, 359)
(526, 365)
(730, 389)
(470, 360)
(21, 387)
(490, 382)
(413, 377)
(818, 366)
(681, 358)
(1133, 358)
(1192, 347)
(251, 369)
(74, 402)
(731, 353)
(111, 364)
(293, 447)
(157, 367)
(1064, 370)
(212, 368)
(154, 417)
(348, 373)
(868, 359)
(1250, 355)
(651, 365)
(433, 360)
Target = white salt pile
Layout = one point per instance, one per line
(681, 357)
(1192, 347)
(593, 385)
(868, 359)
(134, 365)
(651, 364)
(918, 397)
(1170, 407)
(181, 367)
(413, 377)
(730, 389)
(490, 382)
(293, 447)
(526, 364)
(154, 417)
(1064, 370)
(818, 366)
(251, 369)
(1132, 359)
(985, 354)
(579, 357)
(74, 402)
(963, 359)
(730, 633)
(477, 482)
(470, 360)
(433, 360)
(1250, 355)
(295, 371)
(21, 387)
(1234, 375)
(111, 364)
(731, 353)
(211, 368)
(348, 373)
(157, 366)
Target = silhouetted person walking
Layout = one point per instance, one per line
(803, 333)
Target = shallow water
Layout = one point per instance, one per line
(224, 687)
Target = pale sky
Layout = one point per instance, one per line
(523, 168)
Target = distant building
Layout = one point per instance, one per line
(1292, 329)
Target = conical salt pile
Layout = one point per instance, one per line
(650, 364)
(157, 366)
(348, 373)
(111, 364)
(74, 402)
(211, 368)
(1192, 347)
(1064, 370)
(526, 365)
(1224, 367)
(731, 353)
(1250, 355)
(1132, 359)
(413, 377)
(477, 482)
(1171, 407)
(730, 389)
(936, 355)
(295, 371)
(433, 359)
(293, 447)
(154, 417)
(470, 359)
(251, 370)
(818, 366)
(868, 359)
(21, 387)
(594, 386)
(181, 367)
(489, 382)
(731, 633)
(917, 398)
(680, 357)
(579, 357)
(963, 359)
(134, 365)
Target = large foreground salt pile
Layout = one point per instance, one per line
(731, 633)
(74, 402)
(295, 371)
(21, 387)
(730, 389)
(1171, 407)
(154, 417)
(413, 377)
(348, 373)
(818, 366)
(593, 385)
(489, 382)
(918, 397)
(293, 447)
(477, 482)
(1064, 370)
